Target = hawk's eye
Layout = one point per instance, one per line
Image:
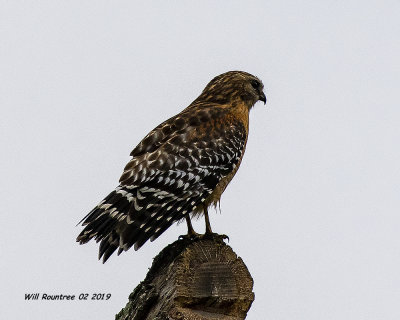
(255, 84)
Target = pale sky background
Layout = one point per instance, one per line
(314, 209)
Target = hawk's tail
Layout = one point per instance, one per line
(130, 216)
(102, 222)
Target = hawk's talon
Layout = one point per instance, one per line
(207, 236)
(216, 236)
(190, 236)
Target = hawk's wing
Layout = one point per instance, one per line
(172, 172)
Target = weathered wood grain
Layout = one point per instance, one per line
(193, 280)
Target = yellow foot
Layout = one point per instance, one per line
(212, 235)
(190, 236)
(208, 235)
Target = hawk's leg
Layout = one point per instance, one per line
(191, 233)
(209, 232)
(208, 225)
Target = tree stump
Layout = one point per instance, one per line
(193, 280)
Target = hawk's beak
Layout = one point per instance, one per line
(262, 97)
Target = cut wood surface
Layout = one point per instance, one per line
(193, 280)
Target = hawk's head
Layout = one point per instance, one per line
(234, 85)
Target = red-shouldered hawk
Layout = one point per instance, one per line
(179, 169)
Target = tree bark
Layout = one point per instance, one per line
(193, 280)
